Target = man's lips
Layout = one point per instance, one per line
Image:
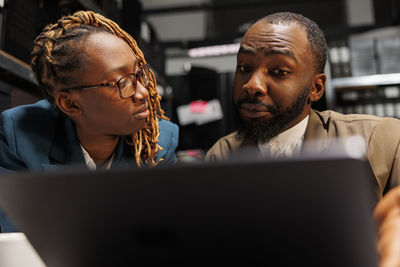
(251, 110)
(254, 107)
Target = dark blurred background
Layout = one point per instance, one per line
(363, 36)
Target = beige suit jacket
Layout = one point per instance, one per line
(381, 134)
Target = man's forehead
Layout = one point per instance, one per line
(266, 36)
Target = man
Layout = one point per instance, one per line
(279, 74)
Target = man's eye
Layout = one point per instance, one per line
(244, 68)
(280, 73)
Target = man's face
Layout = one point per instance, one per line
(104, 112)
(273, 78)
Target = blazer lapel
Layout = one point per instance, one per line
(66, 148)
(315, 137)
(123, 154)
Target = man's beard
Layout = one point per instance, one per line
(265, 130)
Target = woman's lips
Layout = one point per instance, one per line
(142, 113)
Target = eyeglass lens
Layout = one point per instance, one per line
(128, 84)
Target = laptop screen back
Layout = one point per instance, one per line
(310, 212)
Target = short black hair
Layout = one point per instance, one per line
(315, 35)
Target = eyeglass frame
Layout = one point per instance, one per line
(116, 83)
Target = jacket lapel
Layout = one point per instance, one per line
(66, 148)
(123, 156)
(315, 137)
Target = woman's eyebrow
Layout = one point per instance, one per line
(121, 68)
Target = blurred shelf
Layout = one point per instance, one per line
(89, 5)
(366, 81)
(17, 73)
(229, 5)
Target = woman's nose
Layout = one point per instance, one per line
(141, 92)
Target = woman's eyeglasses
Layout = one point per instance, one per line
(126, 85)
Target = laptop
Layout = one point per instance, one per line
(299, 212)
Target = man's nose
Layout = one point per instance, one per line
(256, 85)
(141, 92)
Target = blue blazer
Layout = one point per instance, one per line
(39, 137)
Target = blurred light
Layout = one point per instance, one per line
(215, 50)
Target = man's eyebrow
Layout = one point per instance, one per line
(267, 52)
(246, 50)
(284, 52)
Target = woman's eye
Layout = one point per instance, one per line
(244, 68)
(280, 73)
(122, 83)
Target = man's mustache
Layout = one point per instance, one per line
(250, 100)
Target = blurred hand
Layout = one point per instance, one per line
(387, 217)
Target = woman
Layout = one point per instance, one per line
(102, 108)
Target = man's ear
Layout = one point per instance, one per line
(318, 87)
(68, 103)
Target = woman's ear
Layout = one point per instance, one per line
(68, 102)
(318, 87)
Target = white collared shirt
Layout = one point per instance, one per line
(91, 165)
(285, 144)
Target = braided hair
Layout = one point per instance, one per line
(55, 60)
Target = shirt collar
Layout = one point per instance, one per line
(91, 165)
(286, 143)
